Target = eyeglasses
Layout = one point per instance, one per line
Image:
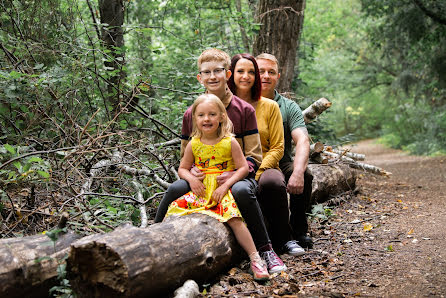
(216, 72)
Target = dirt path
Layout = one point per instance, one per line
(416, 230)
(388, 240)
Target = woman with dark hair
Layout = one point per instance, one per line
(272, 194)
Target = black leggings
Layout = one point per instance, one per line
(272, 197)
(244, 193)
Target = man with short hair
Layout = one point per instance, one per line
(294, 129)
(213, 66)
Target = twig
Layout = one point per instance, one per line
(143, 171)
(142, 207)
(28, 215)
(109, 195)
(168, 143)
(337, 276)
(154, 196)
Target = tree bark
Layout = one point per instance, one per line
(21, 274)
(281, 25)
(112, 19)
(135, 262)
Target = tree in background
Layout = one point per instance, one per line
(408, 46)
(74, 96)
(112, 35)
(281, 26)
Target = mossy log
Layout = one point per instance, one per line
(28, 265)
(136, 262)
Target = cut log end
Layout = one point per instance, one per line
(91, 271)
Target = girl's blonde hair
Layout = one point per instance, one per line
(225, 128)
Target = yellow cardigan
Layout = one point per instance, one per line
(270, 126)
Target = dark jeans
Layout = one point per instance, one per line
(244, 193)
(272, 196)
(299, 204)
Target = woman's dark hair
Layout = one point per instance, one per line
(256, 89)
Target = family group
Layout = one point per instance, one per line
(238, 164)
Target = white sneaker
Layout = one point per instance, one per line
(294, 249)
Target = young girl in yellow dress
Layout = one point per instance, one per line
(213, 150)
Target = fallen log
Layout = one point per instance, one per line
(319, 158)
(315, 109)
(329, 180)
(28, 265)
(315, 148)
(359, 165)
(135, 262)
(355, 156)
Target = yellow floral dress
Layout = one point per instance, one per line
(212, 160)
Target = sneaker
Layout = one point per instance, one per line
(259, 270)
(273, 262)
(292, 248)
(304, 240)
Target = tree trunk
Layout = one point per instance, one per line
(281, 25)
(112, 19)
(21, 273)
(131, 261)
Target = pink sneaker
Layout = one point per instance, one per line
(259, 270)
(273, 262)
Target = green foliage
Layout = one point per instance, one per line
(321, 212)
(28, 169)
(111, 212)
(381, 63)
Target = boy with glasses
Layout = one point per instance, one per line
(213, 66)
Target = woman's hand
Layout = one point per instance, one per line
(219, 193)
(197, 173)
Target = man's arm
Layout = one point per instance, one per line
(296, 181)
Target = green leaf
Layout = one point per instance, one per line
(43, 174)
(15, 75)
(38, 66)
(27, 166)
(54, 234)
(18, 165)
(35, 159)
(9, 148)
(113, 210)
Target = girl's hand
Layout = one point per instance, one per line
(219, 193)
(197, 187)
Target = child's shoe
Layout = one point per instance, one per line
(273, 262)
(259, 270)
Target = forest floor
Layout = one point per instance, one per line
(389, 240)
